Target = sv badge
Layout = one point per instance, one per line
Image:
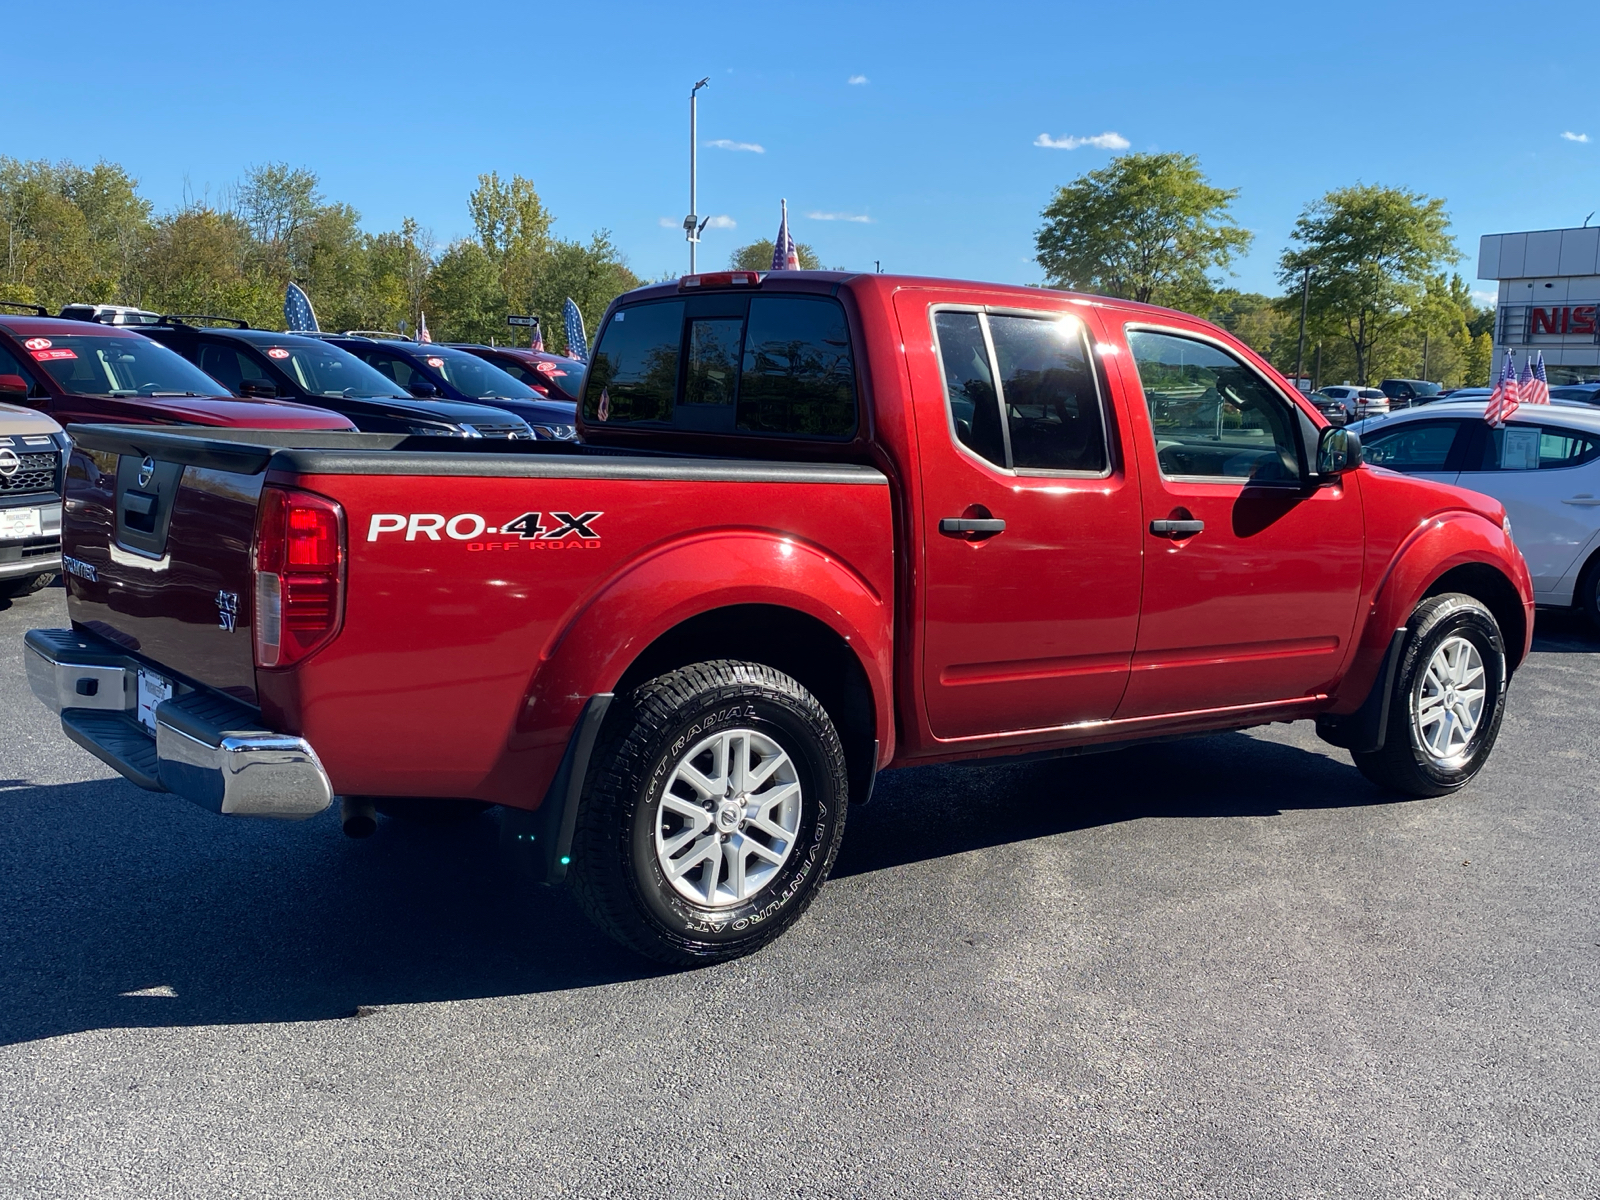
(227, 610)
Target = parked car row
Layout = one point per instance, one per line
(114, 364)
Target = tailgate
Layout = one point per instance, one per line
(157, 558)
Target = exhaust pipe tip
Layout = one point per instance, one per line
(357, 816)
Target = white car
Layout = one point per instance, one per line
(1359, 402)
(1543, 465)
(32, 454)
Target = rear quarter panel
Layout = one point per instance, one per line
(463, 662)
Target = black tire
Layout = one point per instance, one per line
(617, 873)
(1588, 597)
(11, 589)
(1406, 763)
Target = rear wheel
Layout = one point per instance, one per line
(1448, 701)
(713, 813)
(10, 589)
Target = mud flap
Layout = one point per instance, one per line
(1364, 730)
(540, 840)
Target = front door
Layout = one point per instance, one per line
(1251, 571)
(1029, 522)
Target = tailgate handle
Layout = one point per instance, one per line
(1176, 529)
(138, 503)
(960, 525)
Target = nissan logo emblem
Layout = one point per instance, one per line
(10, 464)
(147, 472)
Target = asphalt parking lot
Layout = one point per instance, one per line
(1225, 967)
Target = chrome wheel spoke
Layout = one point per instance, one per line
(730, 840)
(1449, 703)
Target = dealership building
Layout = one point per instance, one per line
(1549, 292)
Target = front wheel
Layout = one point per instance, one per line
(1448, 701)
(713, 813)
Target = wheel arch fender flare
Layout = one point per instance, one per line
(629, 612)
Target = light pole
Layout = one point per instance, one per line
(692, 225)
(1300, 350)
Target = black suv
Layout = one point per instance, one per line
(293, 366)
(429, 369)
(1403, 393)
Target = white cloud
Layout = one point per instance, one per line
(1486, 298)
(1100, 141)
(669, 223)
(859, 218)
(729, 144)
(858, 79)
(722, 222)
(1575, 137)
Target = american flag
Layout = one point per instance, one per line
(1503, 400)
(784, 256)
(422, 329)
(1537, 388)
(536, 336)
(577, 341)
(297, 314)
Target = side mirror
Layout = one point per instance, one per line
(1338, 451)
(422, 391)
(13, 385)
(259, 388)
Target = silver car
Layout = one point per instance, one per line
(33, 453)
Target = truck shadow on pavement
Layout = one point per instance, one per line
(124, 909)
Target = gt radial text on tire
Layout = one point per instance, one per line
(1448, 700)
(712, 813)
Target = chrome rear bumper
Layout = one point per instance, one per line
(208, 748)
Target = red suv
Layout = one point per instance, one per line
(83, 373)
(551, 375)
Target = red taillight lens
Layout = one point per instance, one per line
(299, 597)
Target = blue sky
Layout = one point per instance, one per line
(900, 133)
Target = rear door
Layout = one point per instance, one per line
(1548, 477)
(1029, 524)
(1251, 572)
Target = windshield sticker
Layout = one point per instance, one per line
(53, 355)
(37, 343)
(533, 530)
(546, 368)
(277, 352)
(436, 363)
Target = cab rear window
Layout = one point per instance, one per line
(775, 366)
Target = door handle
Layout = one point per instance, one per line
(1176, 529)
(960, 525)
(1587, 501)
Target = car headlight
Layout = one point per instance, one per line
(557, 433)
(470, 430)
(1505, 524)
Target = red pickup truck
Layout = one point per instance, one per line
(820, 525)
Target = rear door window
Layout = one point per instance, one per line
(1518, 447)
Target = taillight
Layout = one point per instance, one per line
(299, 575)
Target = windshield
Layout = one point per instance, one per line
(473, 377)
(91, 365)
(323, 370)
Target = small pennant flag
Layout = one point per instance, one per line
(1503, 400)
(1537, 389)
(298, 316)
(784, 255)
(577, 341)
(422, 329)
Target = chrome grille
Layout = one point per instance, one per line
(37, 473)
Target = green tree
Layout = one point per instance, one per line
(1372, 251)
(1147, 227)
(757, 256)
